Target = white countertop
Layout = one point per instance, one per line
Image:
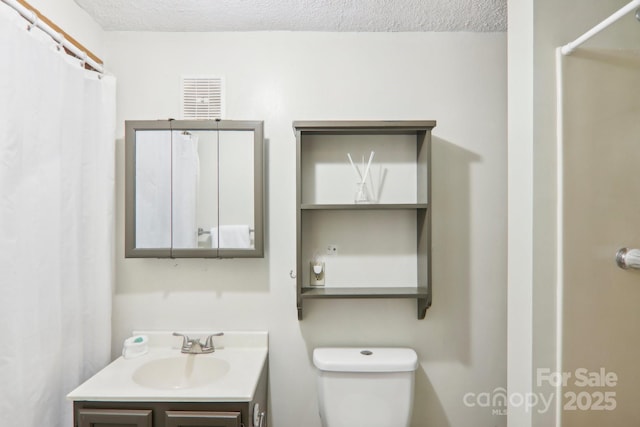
(246, 353)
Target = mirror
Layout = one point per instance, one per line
(194, 189)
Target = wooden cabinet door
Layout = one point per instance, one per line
(115, 418)
(202, 419)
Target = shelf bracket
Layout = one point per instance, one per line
(423, 305)
(299, 310)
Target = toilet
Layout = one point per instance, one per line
(365, 387)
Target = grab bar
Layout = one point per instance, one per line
(628, 258)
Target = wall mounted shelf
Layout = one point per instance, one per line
(385, 245)
(363, 207)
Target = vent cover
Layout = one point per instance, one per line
(202, 97)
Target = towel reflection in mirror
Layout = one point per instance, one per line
(231, 236)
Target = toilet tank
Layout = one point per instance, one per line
(370, 387)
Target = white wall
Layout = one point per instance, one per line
(67, 15)
(601, 188)
(548, 25)
(520, 207)
(457, 79)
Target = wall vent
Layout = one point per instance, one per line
(202, 97)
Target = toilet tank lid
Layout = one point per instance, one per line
(365, 359)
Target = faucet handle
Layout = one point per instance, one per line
(185, 339)
(209, 342)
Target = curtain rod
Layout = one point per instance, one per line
(570, 47)
(71, 45)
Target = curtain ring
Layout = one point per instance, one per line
(59, 38)
(83, 59)
(34, 21)
(292, 274)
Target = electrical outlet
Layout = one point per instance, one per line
(332, 249)
(317, 273)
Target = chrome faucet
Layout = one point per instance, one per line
(194, 346)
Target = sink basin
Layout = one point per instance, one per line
(184, 371)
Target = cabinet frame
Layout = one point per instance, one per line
(422, 293)
(167, 414)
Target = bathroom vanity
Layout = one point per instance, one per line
(166, 388)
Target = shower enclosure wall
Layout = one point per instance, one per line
(601, 208)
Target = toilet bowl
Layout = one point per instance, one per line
(365, 387)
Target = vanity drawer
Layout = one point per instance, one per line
(115, 418)
(202, 419)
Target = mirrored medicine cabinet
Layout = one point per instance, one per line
(194, 189)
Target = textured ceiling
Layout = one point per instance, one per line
(299, 15)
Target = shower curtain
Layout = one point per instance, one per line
(185, 176)
(56, 225)
(153, 189)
